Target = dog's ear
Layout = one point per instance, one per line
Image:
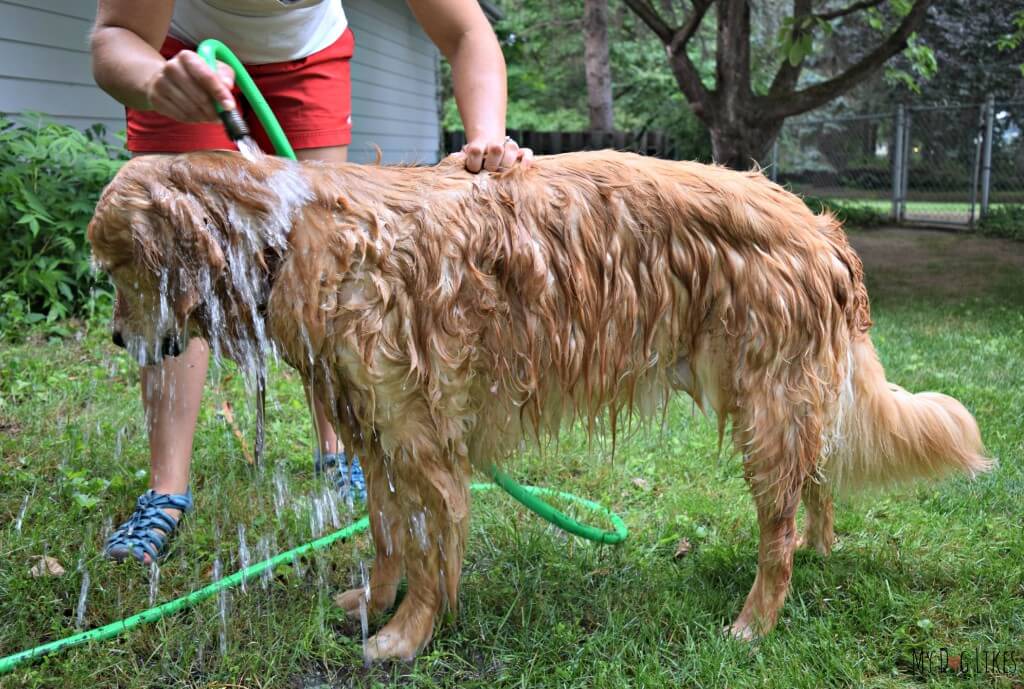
(181, 228)
(188, 223)
(109, 231)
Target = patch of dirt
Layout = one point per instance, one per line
(9, 426)
(900, 262)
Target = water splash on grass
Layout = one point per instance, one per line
(83, 596)
(243, 552)
(21, 514)
(154, 582)
(222, 609)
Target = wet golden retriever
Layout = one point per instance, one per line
(441, 316)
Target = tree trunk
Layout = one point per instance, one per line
(740, 146)
(744, 124)
(598, 68)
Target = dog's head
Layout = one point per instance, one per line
(185, 240)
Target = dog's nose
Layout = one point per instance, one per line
(170, 346)
(116, 338)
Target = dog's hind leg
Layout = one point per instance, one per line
(388, 540)
(434, 500)
(819, 531)
(779, 453)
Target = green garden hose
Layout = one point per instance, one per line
(211, 50)
(109, 631)
(525, 494)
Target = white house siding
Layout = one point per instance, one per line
(44, 67)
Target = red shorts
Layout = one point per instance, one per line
(312, 98)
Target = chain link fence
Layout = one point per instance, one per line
(928, 165)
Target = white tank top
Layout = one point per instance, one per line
(261, 31)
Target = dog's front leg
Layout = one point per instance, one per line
(434, 501)
(388, 534)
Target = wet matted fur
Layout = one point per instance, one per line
(441, 316)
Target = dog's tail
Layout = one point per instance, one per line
(885, 434)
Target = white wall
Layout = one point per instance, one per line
(394, 84)
(44, 66)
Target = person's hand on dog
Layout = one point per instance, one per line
(493, 154)
(186, 88)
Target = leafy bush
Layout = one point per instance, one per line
(849, 213)
(1004, 221)
(865, 177)
(50, 178)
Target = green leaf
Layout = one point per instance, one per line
(807, 43)
(36, 205)
(796, 54)
(84, 501)
(901, 7)
(875, 20)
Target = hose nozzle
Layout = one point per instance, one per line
(234, 125)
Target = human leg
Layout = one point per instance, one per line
(171, 394)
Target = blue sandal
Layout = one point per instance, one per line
(147, 530)
(354, 478)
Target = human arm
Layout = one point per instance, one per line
(127, 64)
(464, 36)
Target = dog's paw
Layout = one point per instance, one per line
(349, 601)
(743, 631)
(389, 645)
(821, 545)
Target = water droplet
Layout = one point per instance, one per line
(364, 624)
(21, 514)
(83, 596)
(154, 582)
(243, 552)
(263, 548)
(222, 609)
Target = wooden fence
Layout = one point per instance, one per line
(545, 143)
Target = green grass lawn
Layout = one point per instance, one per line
(917, 569)
(955, 210)
(934, 206)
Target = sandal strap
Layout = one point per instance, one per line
(146, 531)
(326, 460)
(350, 477)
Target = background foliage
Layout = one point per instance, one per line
(543, 46)
(1004, 221)
(50, 178)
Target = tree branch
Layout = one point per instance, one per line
(651, 18)
(786, 78)
(855, 7)
(675, 41)
(683, 35)
(789, 104)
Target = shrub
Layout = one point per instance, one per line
(1004, 221)
(50, 178)
(865, 177)
(850, 213)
